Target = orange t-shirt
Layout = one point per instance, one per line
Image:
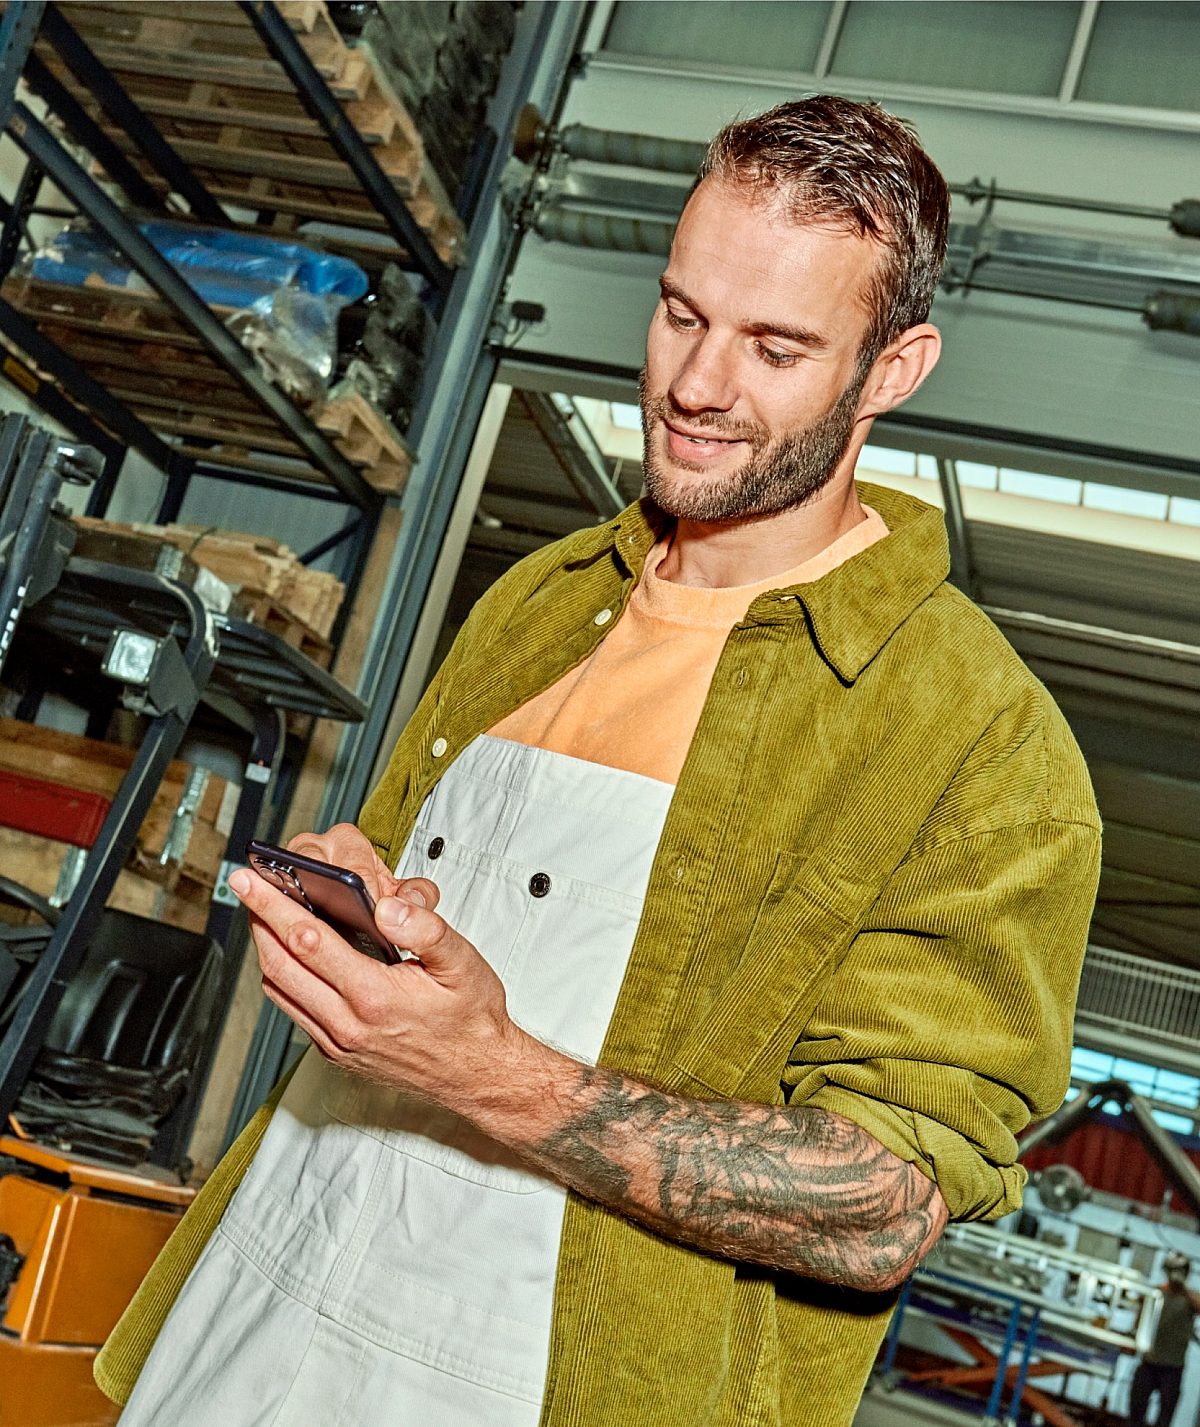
(634, 703)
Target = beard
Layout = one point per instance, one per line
(776, 475)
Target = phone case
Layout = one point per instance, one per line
(335, 894)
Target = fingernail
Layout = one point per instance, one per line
(392, 912)
(416, 895)
(240, 882)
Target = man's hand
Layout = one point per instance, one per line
(429, 1029)
(792, 1188)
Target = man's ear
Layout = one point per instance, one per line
(900, 369)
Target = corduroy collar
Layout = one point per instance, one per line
(852, 611)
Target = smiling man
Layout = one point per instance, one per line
(748, 872)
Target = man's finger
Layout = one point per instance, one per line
(418, 929)
(419, 890)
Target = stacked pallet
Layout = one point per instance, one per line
(57, 789)
(270, 586)
(134, 345)
(211, 87)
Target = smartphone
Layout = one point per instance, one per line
(339, 897)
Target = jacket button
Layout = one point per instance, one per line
(439, 747)
(539, 884)
(437, 846)
(603, 617)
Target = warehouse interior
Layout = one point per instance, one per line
(319, 315)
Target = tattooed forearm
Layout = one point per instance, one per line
(801, 1190)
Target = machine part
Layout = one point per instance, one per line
(1089, 1302)
(530, 135)
(1185, 217)
(1172, 312)
(606, 146)
(154, 673)
(1091, 1101)
(1061, 1188)
(69, 873)
(179, 835)
(10, 1265)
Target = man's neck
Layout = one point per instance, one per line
(746, 552)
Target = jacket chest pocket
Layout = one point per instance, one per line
(799, 937)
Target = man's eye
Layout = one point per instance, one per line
(776, 358)
(684, 324)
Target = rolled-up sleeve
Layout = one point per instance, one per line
(948, 1025)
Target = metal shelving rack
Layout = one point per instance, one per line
(36, 39)
(147, 169)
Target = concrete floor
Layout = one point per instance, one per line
(906, 1409)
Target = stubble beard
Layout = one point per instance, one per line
(775, 476)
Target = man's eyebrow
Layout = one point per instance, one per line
(802, 336)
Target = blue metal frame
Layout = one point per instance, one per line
(314, 93)
(18, 30)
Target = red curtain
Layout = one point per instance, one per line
(1114, 1159)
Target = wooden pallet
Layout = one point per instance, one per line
(268, 613)
(131, 343)
(204, 77)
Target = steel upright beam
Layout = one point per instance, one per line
(122, 110)
(314, 94)
(464, 364)
(18, 30)
(39, 144)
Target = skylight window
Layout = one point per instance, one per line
(1125, 502)
(1030, 483)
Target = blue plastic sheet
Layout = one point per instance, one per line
(295, 290)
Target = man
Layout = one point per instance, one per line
(1161, 1370)
(748, 872)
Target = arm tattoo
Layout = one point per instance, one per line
(797, 1189)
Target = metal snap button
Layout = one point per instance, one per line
(437, 847)
(539, 884)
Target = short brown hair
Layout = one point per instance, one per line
(854, 164)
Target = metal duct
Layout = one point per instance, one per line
(603, 230)
(605, 146)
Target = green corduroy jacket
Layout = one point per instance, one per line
(871, 894)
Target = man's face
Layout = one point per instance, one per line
(751, 387)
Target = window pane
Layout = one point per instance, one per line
(971, 473)
(1125, 501)
(1003, 46)
(1184, 511)
(927, 468)
(1145, 53)
(1177, 1124)
(1059, 488)
(753, 34)
(626, 416)
(888, 461)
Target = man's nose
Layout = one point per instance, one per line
(704, 382)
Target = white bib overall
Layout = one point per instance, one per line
(383, 1264)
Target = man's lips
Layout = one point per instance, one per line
(697, 445)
